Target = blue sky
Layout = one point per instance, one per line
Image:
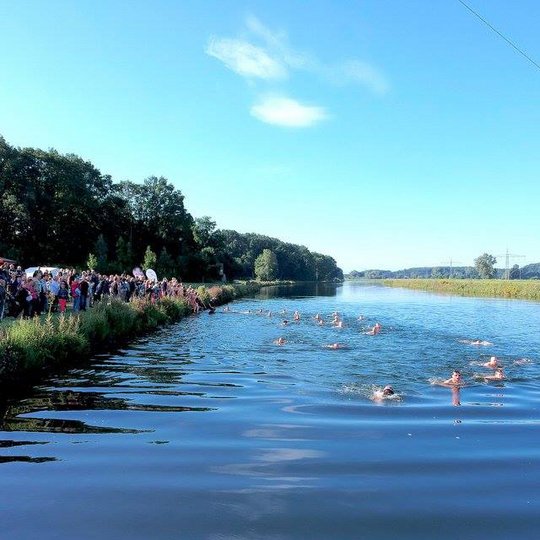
(385, 133)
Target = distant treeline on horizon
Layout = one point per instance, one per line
(529, 271)
(60, 210)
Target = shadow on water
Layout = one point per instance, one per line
(299, 290)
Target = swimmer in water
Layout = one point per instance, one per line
(318, 318)
(522, 362)
(338, 324)
(335, 346)
(498, 376)
(493, 363)
(280, 341)
(374, 331)
(285, 322)
(296, 316)
(454, 380)
(386, 393)
(475, 342)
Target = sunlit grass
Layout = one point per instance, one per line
(498, 288)
(31, 346)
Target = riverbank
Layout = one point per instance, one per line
(496, 288)
(29, 349)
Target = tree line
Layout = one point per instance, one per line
(59, 209)
(484, 268)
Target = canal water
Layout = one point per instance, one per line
(207, 429)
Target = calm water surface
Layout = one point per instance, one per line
(207, 429)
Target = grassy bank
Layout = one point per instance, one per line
(31, 348)
(497, 288)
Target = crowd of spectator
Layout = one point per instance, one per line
(45, 291)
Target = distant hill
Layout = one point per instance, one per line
(529, 271)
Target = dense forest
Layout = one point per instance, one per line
(60, 210)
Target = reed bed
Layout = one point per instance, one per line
(497, 288)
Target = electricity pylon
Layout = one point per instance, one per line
(507, 257)
(451, 263)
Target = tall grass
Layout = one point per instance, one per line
(29, 348)
(498, 288)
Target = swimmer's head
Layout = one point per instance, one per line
(456, 375)
(388, 390)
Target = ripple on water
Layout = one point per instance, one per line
(177, 432)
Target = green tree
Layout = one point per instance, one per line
(101, 249)
(124, 254)
(266, 266)
(515, 272)
(165, 264)
(150, 259)
(485, 266)
(158, 216)
(204, 229)
(326, 268)
(92, 262)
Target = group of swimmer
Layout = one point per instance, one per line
(455, 381)
(337, 322)
(493, 363)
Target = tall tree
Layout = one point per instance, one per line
(165, 264)
(124, 254)
(266, 266)
(485, 266)
(101, 251)
(159, 216)
(204, 229)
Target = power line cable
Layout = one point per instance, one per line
(512, 44)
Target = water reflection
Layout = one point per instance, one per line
(15, 417)
(25, 459)
(300, 290)
(53, 425)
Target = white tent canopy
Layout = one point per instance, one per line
(50, 269)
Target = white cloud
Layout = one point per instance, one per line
(246, 59)
(279, 44)
(366, 74)
(267, 55)
(352, 71)
(287, 112)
